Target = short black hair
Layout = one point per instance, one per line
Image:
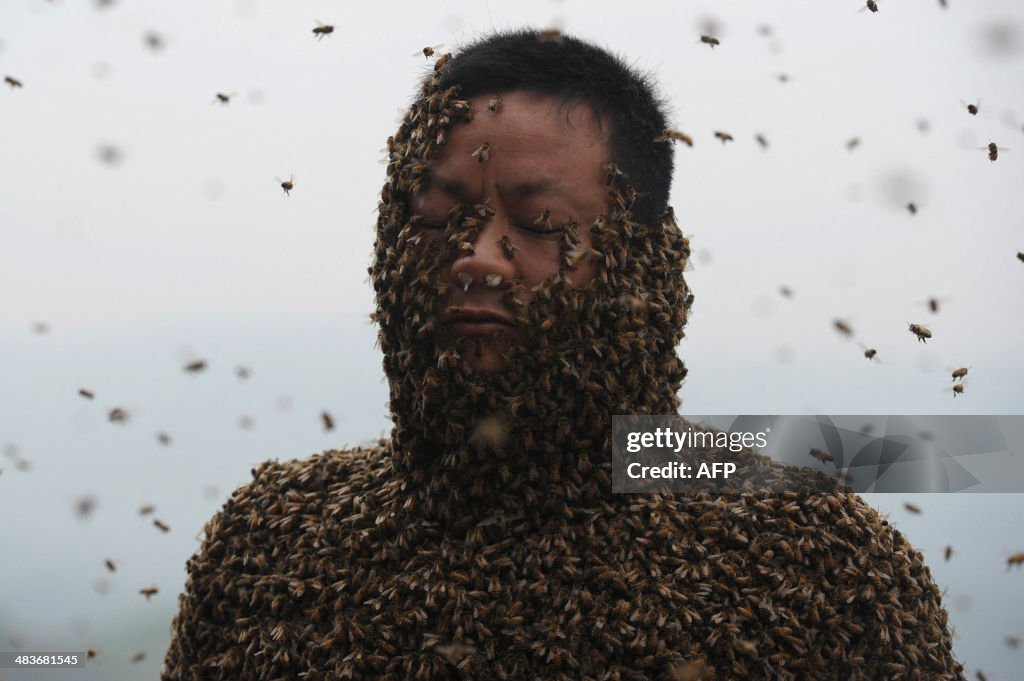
(574, 71)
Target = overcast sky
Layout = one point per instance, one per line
(141, 221)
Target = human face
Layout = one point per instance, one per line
(541, 158)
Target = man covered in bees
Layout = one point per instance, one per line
(529, 285)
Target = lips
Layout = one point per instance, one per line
(473, 322)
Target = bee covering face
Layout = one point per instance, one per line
(544, 171)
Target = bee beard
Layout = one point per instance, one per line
(537, 432)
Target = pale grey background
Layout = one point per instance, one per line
(188, 249)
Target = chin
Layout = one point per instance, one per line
(489, 361)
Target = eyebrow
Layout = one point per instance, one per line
(522, 190)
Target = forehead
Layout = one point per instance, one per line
(528, 132)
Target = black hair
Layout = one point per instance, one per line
(573, 71)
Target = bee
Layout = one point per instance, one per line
(161, 525)
(195, 366)
(958, 389)
(981, 675)
(483, 152)
(934, 304)
(163, 438)
(87, 394)
(993, 150)
(495, 103)
(710, 41)
(117, 415)
(960, 373)
(507, 247)
(327, 420)
(852, 143)
(149, 591)
(13, 82)
(843, 327)
(544, 219)
(223, 98)
(111, 565)
(442, 60)
(913, 508)
(869, 352)
(246, 423)
(786, 292)
(912, 208)
(153, 40)
(91, 653)
(287, 185)
(139, 656)
(1013, 641)
(947, 553)
(242, 372)
(871, 5)
(322, 29)
(972, 108)
(821, 456)
(1020, 256)
(762, 140)
(550, 35)
(724, 136)
(922, 332)
(428, 51)
(670, 135)
(147, 509)
(109, 154)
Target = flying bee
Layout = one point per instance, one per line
(111, 565)
(852, 143)
(153, 40)
(912, 208)
(972, 108)
(993, 150)
(671, 135)
(871, 5)
(934, 304)
(196, 366)
(724, 136)
(843, 327)
(163, 438)
(117, 415)
(242, 372)
(958, 389)
(1015, 559)
(483, 152)
(147, 509)
(495, 103)
(322, 29)
(821, 456)
(224, 97)
(287, 185)
(762, 140)
(161, 525)
(327, 420)
(87, 394)
(786, 291)
(550, 35)
(960, 373)
(13, 82)
(869, 352)
(710, 41)
(149, 591)
(1013, 641)
(139, 656)
(1020, 256)
(428, 51)
(923, 333)
(947, 553)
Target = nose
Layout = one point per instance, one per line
(487, 258)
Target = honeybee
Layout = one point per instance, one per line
(710, 41)
(1020, 256)
(671, 135)
(327, 420)
(322, 29)
(224, 98)
(163, 438)
(871, 5)
(934, 304)
(91, 653)
(912, 208)
(852, 143)
(544, 219)
(161, 525)
(958, 389)
(139, 656)
(287, 185)
(821, 455)
(87, 394)
(786, 291)
(482, 152)
(922, 332)
(550, 35)
(947, 553)
(195, 366)
(13, 82)
(843, 327)
(507, 247)
(960, 373)
(147, 509)
(442, 60)
(869, 352)
(1013, 641)
(913, 508)
(495, 103)
(428, 51)
(242, 372)
(111, 565)
(149, 591)
(993, 150)
(972, 108)
(762, 140)
(117, 415)
(153, 40)
(724, 136)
